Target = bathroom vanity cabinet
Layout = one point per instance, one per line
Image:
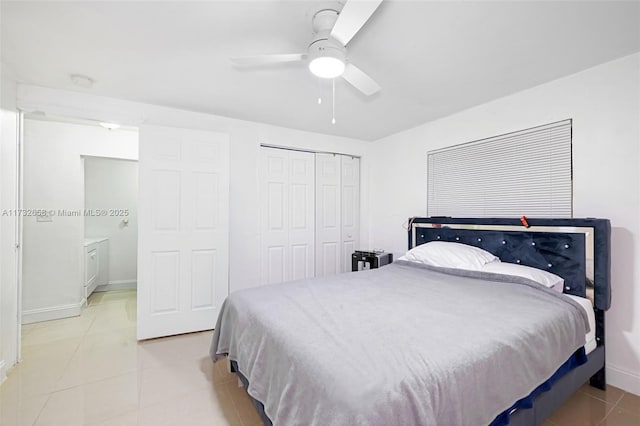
(96, 264)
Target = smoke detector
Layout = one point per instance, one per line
(110, 126)
(82, 81)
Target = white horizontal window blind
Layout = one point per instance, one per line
(521, 173)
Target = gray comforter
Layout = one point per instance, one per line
(405, 344)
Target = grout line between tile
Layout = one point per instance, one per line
(73, 354)
(613, 407)
(90, 382)
(620, 399)
(41, 409)
(603, 399)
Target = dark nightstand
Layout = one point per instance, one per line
(374, 259)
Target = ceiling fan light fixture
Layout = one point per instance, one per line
(327, 67)
(333, 28)
(327, 58)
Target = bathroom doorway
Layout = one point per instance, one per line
(111, 231)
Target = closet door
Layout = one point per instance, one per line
(328, 216)
(302, 215)
(288, 215)
(350, 209)
(275, 217)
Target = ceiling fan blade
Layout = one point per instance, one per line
(361, 81)
(251, 61)
(353, 16)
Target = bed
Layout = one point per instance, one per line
(417, 344)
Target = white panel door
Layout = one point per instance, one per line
(328, 227)
(350, 209)
(287, 200)
(301, 215)
(183, 230)
(275, 215)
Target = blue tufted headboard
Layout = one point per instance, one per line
(575, 249)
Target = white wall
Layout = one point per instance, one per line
(111, 184)
(245, 140)
(604, 103)
(54, 180)
(8, 288)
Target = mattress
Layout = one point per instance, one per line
(590, 337)
(404, 344)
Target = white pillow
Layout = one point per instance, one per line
(544, 278)
(450, 255)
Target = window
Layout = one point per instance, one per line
(521, 173)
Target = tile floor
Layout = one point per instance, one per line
(89, 370)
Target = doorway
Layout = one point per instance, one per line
(182, 265)
(79, 230)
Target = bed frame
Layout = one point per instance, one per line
(578, 250)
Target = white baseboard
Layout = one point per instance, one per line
(3, 371)
(118, 285)
(623, 379)
(53, 312)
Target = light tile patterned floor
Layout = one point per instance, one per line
(89, 370)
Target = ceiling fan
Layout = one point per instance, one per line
(327, 52)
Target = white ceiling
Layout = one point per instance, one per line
(431, 58)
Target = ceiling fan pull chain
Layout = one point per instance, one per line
(333, 96)
(319, 92)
